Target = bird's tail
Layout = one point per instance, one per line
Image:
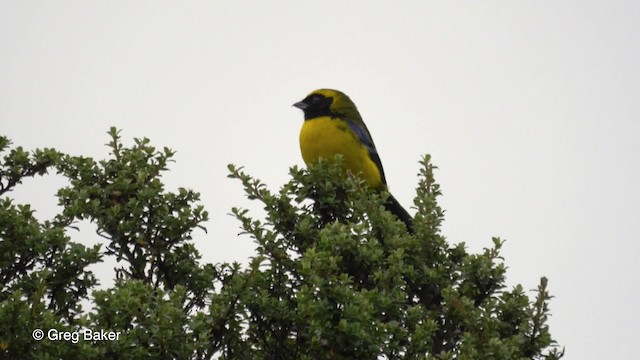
(395, 208)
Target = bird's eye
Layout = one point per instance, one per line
(316, 98)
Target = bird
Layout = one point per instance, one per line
(332, 125)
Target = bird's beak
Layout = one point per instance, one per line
(301, 105)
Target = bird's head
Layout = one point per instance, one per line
(328, 102)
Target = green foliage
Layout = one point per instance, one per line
(147, 228)
(161, 288)
(19, 164)
(334, 275)
(339, 278)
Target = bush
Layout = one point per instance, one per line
(334, 276)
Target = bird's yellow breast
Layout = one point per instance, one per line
(324, 137)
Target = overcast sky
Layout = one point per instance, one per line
(530, 110)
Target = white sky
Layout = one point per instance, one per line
(529, 108)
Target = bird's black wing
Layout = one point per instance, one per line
(361, 131)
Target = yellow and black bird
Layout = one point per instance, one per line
(333, 125)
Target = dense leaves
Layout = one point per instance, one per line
(340, 278)
(334, 275)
